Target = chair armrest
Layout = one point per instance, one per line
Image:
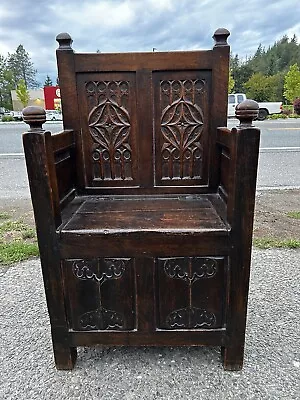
(50, 161)
(238, 151)
(224, 137)
(63, 148)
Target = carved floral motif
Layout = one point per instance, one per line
(100, 271)
(181, 128)
(191, 317)
(101, 319)
(109, 125)
(190, 269)
(111, 269)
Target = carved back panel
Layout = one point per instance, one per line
(148, 120)
(109, 128)
(181, 127)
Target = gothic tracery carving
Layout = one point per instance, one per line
(182, 122)
(109, 126)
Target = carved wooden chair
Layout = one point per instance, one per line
(144, 202)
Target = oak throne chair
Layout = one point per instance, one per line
(144, 202)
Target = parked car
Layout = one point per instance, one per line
(53, 115)
(17, 115)
(265, 108)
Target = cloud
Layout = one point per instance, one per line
(135, 25)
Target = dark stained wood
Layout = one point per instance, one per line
(146, 306)
(218, 118)
(63, 140)
(144, 202)
(101, 293)
(43, 187)
(70, 108)
(145, 215)
(151, 244)
(199, 337)
(179, 60)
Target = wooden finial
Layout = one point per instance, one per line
(220, 37)
(65, 41)
(34, 116)
(246, 112)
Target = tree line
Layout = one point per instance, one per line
(271, 74)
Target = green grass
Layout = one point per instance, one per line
(4, 215)
(9, 226)
(17, 240)
(16, 251)
(29, 233)
(294, 214)
(270, 243)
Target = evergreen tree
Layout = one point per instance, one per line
(272, 62)
(48, 81)
(21, 66)
(6, 84)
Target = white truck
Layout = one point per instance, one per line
(265, 109)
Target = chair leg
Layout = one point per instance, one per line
(233, 357)
(65, 357)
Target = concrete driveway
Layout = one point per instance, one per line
(272, 358)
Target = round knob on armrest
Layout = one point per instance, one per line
(246, 112)
(34, 116)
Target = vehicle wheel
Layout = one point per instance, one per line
(262, 114)
(53, 119)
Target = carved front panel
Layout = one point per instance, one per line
(181, 129)
(100, 293)
(191, 292)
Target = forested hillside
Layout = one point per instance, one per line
(261, 76)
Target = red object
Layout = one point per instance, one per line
(52, 97)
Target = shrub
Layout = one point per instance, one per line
(278, 116)
(287, 112)
(297, 106)
(287, 107)
(7, 118)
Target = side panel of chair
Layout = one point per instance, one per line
(63, 149)
(45, 198)
(238, 156)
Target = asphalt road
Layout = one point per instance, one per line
(279, 161)
(11, 135)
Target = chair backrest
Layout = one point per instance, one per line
(145, 123)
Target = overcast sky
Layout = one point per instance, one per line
(140, 25)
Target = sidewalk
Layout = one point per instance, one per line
(272, 357)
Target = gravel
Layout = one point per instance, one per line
(272, 357)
